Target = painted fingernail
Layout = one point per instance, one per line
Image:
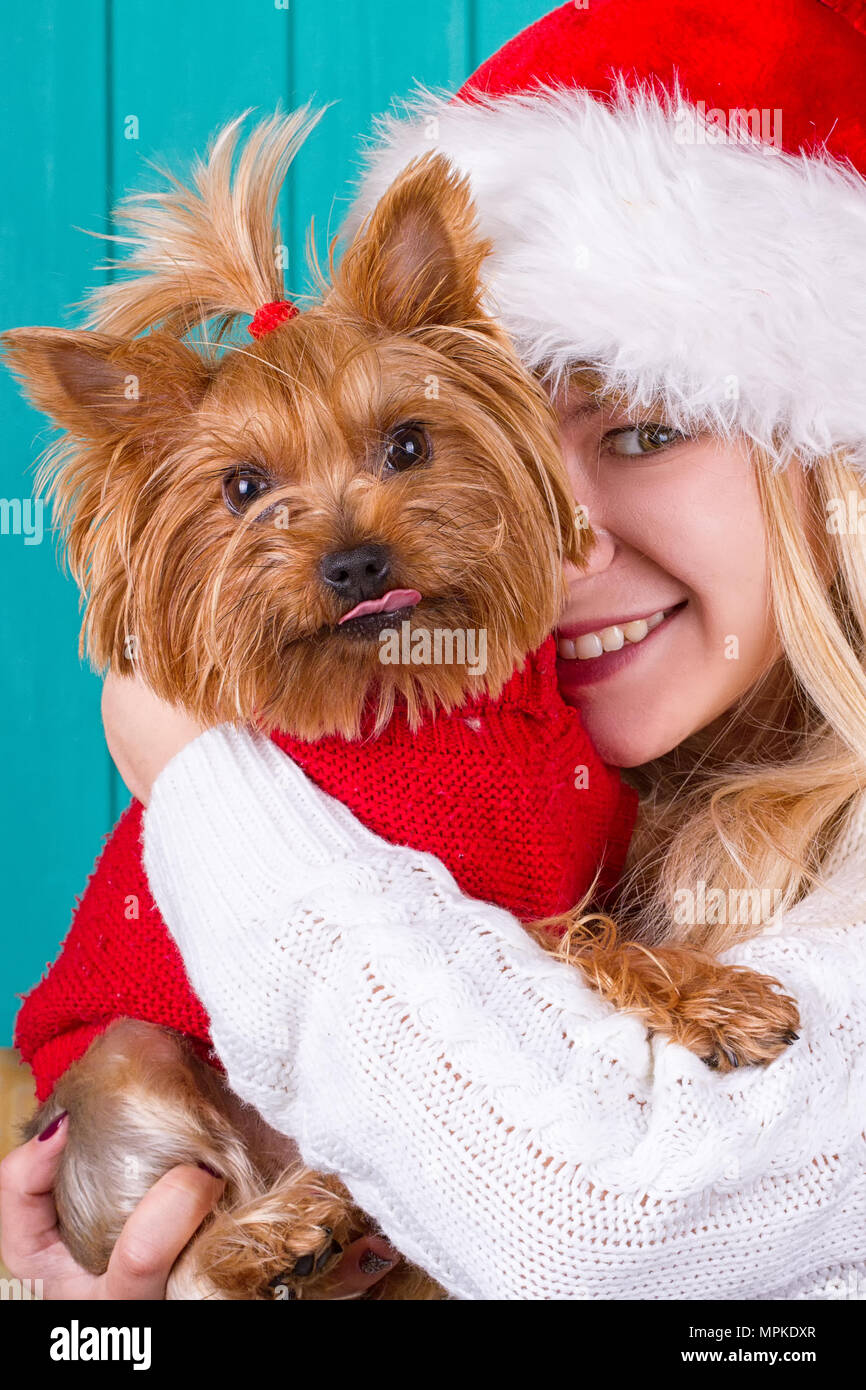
(54, 1125)
(213, 1172)
(371, 1263)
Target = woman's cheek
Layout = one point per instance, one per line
(668, 690)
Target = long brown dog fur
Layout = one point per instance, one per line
(225, 613)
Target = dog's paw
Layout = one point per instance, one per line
(303, 1274)
(728, 1015)
(735, 1018)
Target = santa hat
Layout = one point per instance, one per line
(674, 191)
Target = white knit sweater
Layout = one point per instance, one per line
(510, 1131)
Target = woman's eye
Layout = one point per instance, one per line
(635, 440)
(241, 487)
(407, 445)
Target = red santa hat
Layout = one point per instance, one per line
(675, 195)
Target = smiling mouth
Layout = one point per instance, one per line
(591, 645)
(373, 616)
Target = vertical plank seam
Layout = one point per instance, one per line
(113, 787)
(472, 55)
(109, 112)
(291, 182)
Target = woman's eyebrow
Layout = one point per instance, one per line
(613, 407)
(581, 410)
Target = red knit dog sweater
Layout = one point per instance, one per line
(508, 793)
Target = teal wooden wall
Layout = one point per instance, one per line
(70, 75)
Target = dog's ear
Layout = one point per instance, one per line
(102, 389)
(417, 259)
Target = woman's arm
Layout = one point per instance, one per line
(510, 1132)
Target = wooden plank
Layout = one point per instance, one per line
(181, 71)
(17, 1098)
(178, 73)
(376, 52)
(55, 806)
(497, 21)
(17, 1103)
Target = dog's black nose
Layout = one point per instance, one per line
(357, 574)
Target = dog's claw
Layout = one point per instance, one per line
(714, 1060)
(791, 1037)
(334, 1249)
(309, 1264)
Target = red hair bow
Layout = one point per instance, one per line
(270, 316)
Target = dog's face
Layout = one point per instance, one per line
(254, 528)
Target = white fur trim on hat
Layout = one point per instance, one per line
(723, 278)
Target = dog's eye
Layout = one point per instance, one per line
(407, 445)
(241, 487)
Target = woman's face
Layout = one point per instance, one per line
(679, 532)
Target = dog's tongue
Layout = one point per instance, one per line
(388, 603)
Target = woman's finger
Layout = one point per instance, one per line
(363, 1264)
(156, 1232)
(28, 1218)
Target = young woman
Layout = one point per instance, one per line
(693, 293)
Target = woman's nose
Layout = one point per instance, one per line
(600, 553)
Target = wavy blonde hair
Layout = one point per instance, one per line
(757, 800)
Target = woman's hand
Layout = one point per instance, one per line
(153, 1237)
(150, 1242)
(143, 732)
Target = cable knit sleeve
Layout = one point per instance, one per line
(510, 1131)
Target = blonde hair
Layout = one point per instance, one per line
(763, 819)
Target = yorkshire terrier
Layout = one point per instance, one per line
(419, 465)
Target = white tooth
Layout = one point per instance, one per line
(611, 638)
(654, 620)
(565, 647)
(633, 632)
(588, 645)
